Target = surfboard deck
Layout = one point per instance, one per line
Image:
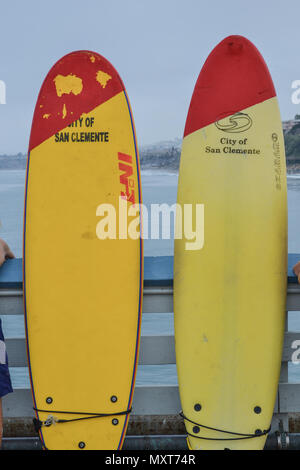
(229, 296)
(83, 294)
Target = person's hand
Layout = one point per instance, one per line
(5, 252)
(296, 270)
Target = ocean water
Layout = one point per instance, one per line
(157, 188)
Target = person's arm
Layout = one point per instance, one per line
(5, 252)
(296, 270)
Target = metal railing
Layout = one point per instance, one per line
(155, 406)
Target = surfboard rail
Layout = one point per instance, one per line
(155, 405)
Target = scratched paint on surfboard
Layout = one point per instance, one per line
(83, 295)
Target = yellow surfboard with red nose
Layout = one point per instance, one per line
(82, 283)
(230, 295)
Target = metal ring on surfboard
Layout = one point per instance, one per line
(241, 435)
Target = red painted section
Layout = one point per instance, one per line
(84, 65)
(234, 77)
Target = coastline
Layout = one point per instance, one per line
(293, 169)
(164, 162)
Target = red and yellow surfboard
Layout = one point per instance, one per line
(82, 286)
(229, 296)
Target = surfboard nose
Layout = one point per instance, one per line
(75, 84)
(233, 78)
(235, 45)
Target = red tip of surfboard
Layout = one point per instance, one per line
(75, 85)
(234, 77)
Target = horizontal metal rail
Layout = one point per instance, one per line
(158, 300)
(154, 350)
(158, 399)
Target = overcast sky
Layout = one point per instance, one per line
(157, 46)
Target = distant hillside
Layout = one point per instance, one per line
(165, 155)
(13, 162)
(291, 131)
